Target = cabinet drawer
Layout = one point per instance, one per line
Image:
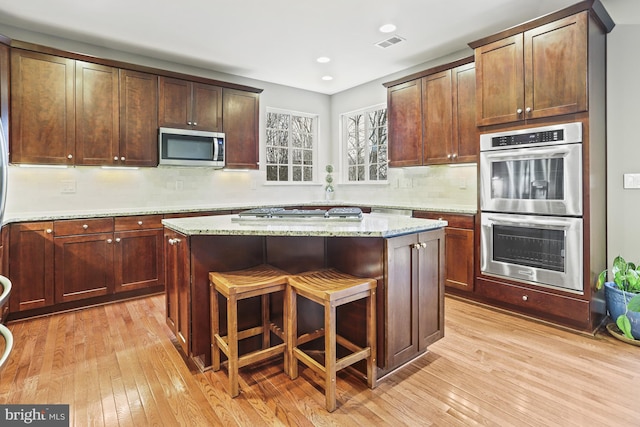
(455, 220)
(141, 222)
(82, 226)
(543, 303)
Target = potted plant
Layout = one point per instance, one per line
(622, 296)
(329, 191)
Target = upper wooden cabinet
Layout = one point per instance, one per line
(4, 88)
(189, 105)
(42, 108)
(97, 115)
(241, 115)
(540, 72)
(431, 117)
(138, 118)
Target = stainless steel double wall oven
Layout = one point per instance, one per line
(531, 206)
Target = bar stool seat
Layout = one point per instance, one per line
(331, 288)
(259, 281)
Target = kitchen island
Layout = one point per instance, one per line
(405, 255)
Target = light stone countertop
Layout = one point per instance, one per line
(371, 225)
(12, 217)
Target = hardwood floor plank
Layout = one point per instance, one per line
(119, 365)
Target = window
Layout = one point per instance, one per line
(290, 146)
(365, 144)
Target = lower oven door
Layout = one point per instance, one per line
(545, 251)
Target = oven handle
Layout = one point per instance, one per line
(555, 151)
(542, 223)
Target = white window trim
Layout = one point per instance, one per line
(314, 177)
(344, 167)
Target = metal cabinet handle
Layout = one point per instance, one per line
(416, 246)
(519, 111)
(174, 241)
(109, 240)
(49, 231)
(189, 123)
(117, 240)
(195, 123)
(454, 155)
(448, 156)
(525, 298)
(528, 110)
(139, 222)
(70, 156)
(122, 158)
(115, 158)
(85, 226)
(423, 244)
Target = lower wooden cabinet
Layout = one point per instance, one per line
(414, 295)
(176, 255)
(57, 262)
(460, 249)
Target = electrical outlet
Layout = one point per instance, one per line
(632, 180)
(68, 186)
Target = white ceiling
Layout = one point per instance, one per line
(278, 41)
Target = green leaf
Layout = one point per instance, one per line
(634, 304)
(625, 325)
(602, 277)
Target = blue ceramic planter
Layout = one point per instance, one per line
(616, 305)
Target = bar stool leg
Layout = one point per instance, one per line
(232, 334)
(215, 329)
(330, 355)
(266, 332)
(371, 340)
(292, 330)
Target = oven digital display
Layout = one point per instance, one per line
(528, 138)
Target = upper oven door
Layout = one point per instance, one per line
(537, 180)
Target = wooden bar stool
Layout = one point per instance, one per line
(258, 281)
(330, 288)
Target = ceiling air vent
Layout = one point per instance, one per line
(390, 41)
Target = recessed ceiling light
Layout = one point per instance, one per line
(327, 78)
(387, 28)
(323, 59)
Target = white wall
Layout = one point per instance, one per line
(623, 142)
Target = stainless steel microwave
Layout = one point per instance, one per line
(186, 147)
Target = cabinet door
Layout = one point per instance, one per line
(174, 103)
(465, 138)
(177, 287)
(4, 89)
(31, 265)
(459, 258)
(207, 107)
(437, 116)
(405, 124)
(138, 259)
(500, 81)
(97, 115)
(555, 67)
(42, 108)
(401, 300)
(430, 255)
(83, 266)
(138, 118)
(240, 111)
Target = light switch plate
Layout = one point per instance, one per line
(68, 186)
(632, 180)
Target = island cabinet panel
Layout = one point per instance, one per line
(176, 250)
(42, 108)
(97, 114)
(538, 73)
(404, 105)
(138, 118)
(240, 113)
(414, 295)
(189, 105)
(31, 266)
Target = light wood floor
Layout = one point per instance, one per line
(117, 365)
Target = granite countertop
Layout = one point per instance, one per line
(11, 217)
(371, 225)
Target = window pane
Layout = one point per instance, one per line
(308, 174)
(272, 173)
(283, 173)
